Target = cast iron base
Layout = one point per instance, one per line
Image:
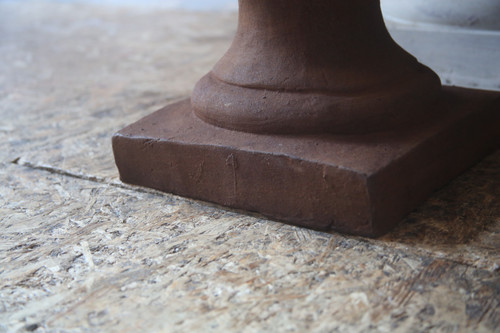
(359, 184)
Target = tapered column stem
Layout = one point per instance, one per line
(300, 66)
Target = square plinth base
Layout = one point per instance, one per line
(362, 184)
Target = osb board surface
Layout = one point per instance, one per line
(78, 73)
(80, 251)
(76, 254)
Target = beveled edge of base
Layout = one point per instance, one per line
(382, 197)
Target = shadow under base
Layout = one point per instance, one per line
(356, 184)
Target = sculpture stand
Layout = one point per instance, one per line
(313, 117)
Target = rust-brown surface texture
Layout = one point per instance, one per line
(82, 252)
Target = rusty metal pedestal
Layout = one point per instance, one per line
(313, 117)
